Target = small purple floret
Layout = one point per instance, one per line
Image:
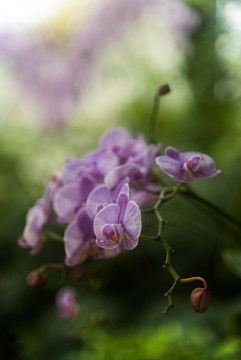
(187, 166)
(32, 235)
(67, 303)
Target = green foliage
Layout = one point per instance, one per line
(170, 341)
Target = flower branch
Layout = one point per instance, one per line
(53, 235)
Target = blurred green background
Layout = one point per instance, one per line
(195, 46)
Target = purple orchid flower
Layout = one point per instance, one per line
(79, 241)
(67, 303)
(136, 159)
(102, 196)
(32, 235)
(187, 166)
(39, 215)
(118, 223)
(51, 189)
(69, 198)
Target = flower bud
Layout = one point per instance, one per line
(36, 278)
(200, 299)
(163, 89)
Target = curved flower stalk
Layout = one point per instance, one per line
(187, 166)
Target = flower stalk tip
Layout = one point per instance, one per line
(163, 89)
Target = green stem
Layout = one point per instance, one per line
(170, 296)
(147, 211)
(161, 91)
(143, 188)
(167, 265)
(194, 278)
(53, 235)
(150, 238)
(174, 192)
(168, 249)
(51, 266)
(61, 266)
(153, 118)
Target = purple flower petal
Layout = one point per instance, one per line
(122, 201)
(147, 157)
(207, 176)
(77, 238)
(70, 197)
(132, 225)
(32, 234)
(67, 200)
(172, 152)
(71, 169)
(130, 170)
(105, 163)
(170, 166)
(99, 196)
(51, 188)
(129, 242)
(119, 142)
(108, 216)
(118, 136)
(122, 187)
(76, 248)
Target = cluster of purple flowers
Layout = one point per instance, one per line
(99, 196)
(94, 197)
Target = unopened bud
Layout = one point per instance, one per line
(36, 278)
(163, 89)
(200, 299)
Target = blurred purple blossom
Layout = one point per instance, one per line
(187, 166)
(67, 303)
(55, 75)
(32, 234)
